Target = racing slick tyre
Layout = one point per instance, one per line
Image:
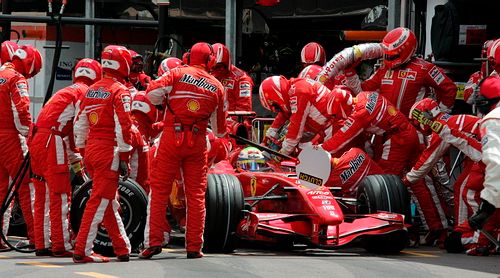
(383, 193)
(133, 204)
(224, 205)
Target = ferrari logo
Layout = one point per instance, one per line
(193, 105)
(93, 118)
(253, 186)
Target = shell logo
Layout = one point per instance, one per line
(392, 111)
(93, 118)
(323, 79)
(193, 105)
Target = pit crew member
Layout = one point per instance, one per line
(476, 77)
(102, 128)
(487, 104)
(238, 85)
(460, 131)
(400, 145)
(138, 77)
(51, 148)
(15, 122)
(309, 107)
(193, 97)
(404, 79)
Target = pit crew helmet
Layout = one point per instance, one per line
(168, 64)
(493, 55)
(423, 113)
(8, 49)
(87, 71)
(28, 60)
(273, 93)
(222, 55)
(341, 102)
(310, 72)
(399, 46)
(201, 54)
(116, 60)
(251, 159)
(484, 54)
(313, 53)
(137, 62)
(489, 95)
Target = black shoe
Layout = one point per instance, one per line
(482, 215)
(150, 252)
(194, 255)
(123, 258)
(43, 252)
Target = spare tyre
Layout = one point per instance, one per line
(383, 193)
(133, 204)
(224, 206)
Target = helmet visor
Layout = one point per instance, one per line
(391, 56)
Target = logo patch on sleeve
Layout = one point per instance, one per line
(23, 89)
(245, 89)
(293, 104)
(436, 75)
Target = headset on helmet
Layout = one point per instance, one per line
(399, 46)
(251, 159)
(423, 114)
(222, 55)
(116, 60)
(201, 53)
(168, 64)
(313, 53)
(88, 71)
(341, 103)
(8, 49)
(489, 95)
(28, 60)
(273, 93)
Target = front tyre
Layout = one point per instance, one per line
(224, 205)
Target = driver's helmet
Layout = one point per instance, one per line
(251, 159)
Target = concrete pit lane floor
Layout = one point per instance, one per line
(248, 262)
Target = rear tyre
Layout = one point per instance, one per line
(133, 204)
(224, 205)
(383, 193)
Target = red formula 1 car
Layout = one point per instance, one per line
(278, 207)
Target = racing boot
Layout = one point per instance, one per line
(93, 258)
(482, 215)
(148, 253)
(43, 252)
(194, 254)
(123, 258)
